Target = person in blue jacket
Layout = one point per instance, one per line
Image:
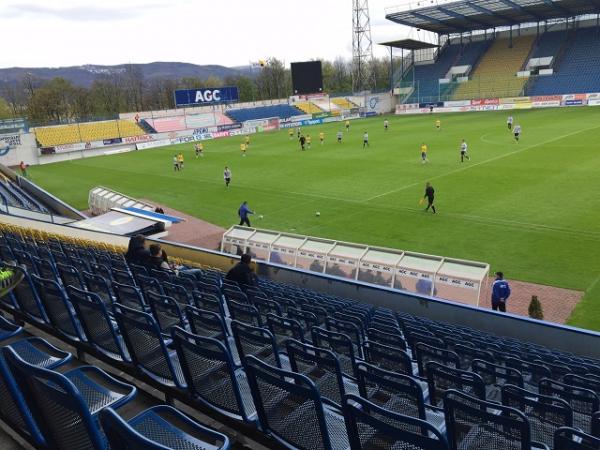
(500, 293)
(244, 212)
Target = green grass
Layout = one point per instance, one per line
(530, 209)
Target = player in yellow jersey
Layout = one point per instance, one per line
(243, 149)
(308, 140)
(291, 133)
(322, 137)
(438, 124)
(347, 125)
(180, 160)
(424, 153)
(247, 139)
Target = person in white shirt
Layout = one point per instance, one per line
(463, 151)
(385, 124)
(509, 122)
(366, 140)
(227, 176)
(517, 132)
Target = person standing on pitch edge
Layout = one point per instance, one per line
(463, 151)
(227, 176)
(429, 195)
(366, 140)
(500, 293)
(244, 212)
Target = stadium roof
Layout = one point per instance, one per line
(469, 15)
(409, 44)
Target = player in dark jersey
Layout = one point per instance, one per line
(429, 194)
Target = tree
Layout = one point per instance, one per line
(274, 80)
(52, 102)
(535, 308)
(5, 109)
(245, 85)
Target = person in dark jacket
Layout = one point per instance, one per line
(500, 293)
(244, 212)
(242, 273)
(137, 253)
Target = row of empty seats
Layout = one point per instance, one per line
(12, 195)
(495, 75)
(311, 370)
(86, 132)
(264, 112)
(549, 44)
(577, 71)
(308, 107)
(343, 103)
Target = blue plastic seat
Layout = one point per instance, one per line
(45, 268)
(290, 408)
(130, 296)
(60, 311)
(323, 369)
(26, 297)
(255, 341)
(245, 313)
(147, 347)
(584, 402)
(425, 353)
(64, 406)
(475, 423)
(284, 329)
(208, 302)
(442, 378)
(350, 329)
(338, 343)
(122, 277)
(148, 284)
(8, 329)
(387, 336)
(306, 319)
(572, 439)
(69, 276)
(495, 376)
(396, 392)
(545, 414)
(389, 358)
(212, 377)
(159, 428)
(179, 293)
(166, 311)
(99, 285)
(13, 408)
(97, 324)
(372, 427)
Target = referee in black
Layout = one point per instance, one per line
(429, 194)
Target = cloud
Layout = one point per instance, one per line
(93, 12)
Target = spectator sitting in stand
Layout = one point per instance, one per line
(242, 273)
(137, 253)
(159, 261)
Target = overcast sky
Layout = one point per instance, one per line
(52, 33)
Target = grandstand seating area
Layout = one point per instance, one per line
(577, 70)
(263, 112)
(308, 107)
(495, 75)
(549, 44)
(86, 132)
(343, 103)
(471, 52)
(308, 369)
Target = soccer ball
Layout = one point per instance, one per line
(261, 216)
(318, 214)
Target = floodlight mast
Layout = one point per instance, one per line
(363, 77)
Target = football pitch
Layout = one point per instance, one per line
(530, 209)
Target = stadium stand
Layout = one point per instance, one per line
(308, 107)
(86, 132)
(165, 124)
(577, 70)
(472, 373)
(343, 103)
(11, 194)
(471, 52)
(264, 112)
(549, 44)
(426, 76)
(495, 75)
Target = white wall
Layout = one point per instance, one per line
(26, 152)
